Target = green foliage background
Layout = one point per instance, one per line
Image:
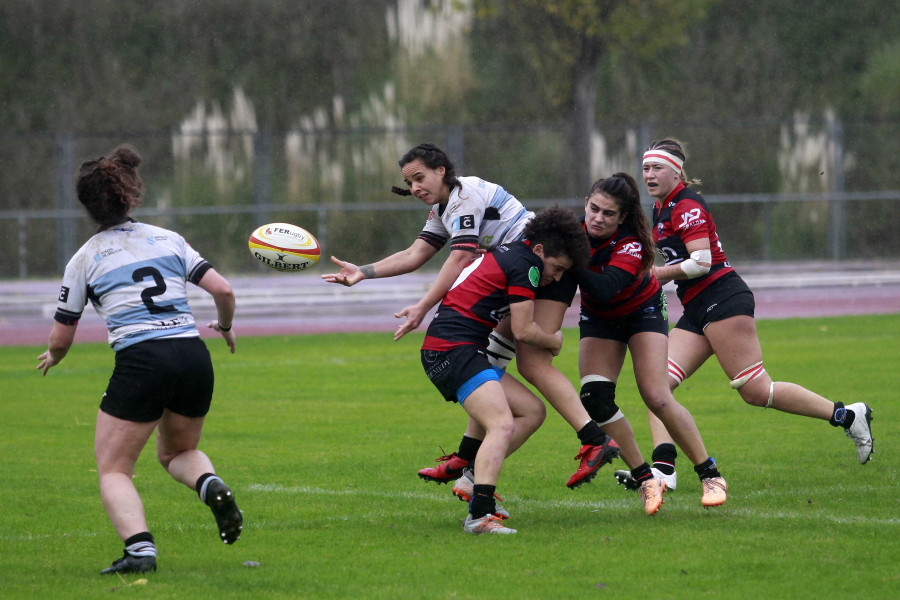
(79, 78)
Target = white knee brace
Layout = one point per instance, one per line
(676, 372)
(749, 374)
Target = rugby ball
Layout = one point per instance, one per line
(284, 247)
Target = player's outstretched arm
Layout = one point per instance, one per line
(399, 263)
(61, 339)
(452, 267)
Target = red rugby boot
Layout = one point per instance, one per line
(450, 469)
(592, 458)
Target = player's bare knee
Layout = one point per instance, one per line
(751, 398)
(598, 396)
(165, 458)
(657, 401)
(506, 429)
(540, 413)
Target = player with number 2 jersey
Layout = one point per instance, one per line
(135, 275)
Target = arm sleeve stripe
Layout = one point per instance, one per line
(433, 240)
(524, 292)
(198, 272)
(65, 317)
(467, 246)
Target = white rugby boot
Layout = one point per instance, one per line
(861, 431)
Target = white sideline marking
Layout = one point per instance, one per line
(628, 504)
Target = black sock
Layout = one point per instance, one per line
(203, 482)
(664, 458)
(482, 500)
(468, 448)
(841, 417)
(591, 434)
(707, 469)
(641, 473)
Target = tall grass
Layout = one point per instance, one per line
(321, 436)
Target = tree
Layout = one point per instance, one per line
(564, 42)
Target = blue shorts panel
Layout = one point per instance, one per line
(492, 374)
(450, 370)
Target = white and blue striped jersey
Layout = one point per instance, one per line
(136, 277)
(478, 213)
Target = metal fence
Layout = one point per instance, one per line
(824, 190)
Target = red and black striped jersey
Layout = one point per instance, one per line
(682, 217)
(623, 250)
(481, 295)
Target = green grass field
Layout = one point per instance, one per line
(321, 436)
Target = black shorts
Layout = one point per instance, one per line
(652, 316)
(459, 371)
(151, 376)
(727, 297)
(559, 291)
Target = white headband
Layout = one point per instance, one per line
(661, 156)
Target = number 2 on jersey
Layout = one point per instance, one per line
(156, 290)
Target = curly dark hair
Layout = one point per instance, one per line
(559, 231)
(109, 186)
(433, 157)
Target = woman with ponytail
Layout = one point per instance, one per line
(476, 216)
(623, 309)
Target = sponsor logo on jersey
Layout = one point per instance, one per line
(534, 276)
(106, 253)
(691, 218)
(63, 294)
(632, 249)
(467, 222)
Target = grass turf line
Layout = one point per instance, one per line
(320, 437)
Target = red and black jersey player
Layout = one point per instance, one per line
(719, 307)
(623, 309)
(454, 353)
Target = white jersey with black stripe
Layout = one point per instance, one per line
(135, 275)
(478, 212)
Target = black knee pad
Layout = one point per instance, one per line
(599, 400)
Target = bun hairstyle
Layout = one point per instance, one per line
(433, 157)
(109, 187)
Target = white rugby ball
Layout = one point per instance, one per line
(284, 247)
